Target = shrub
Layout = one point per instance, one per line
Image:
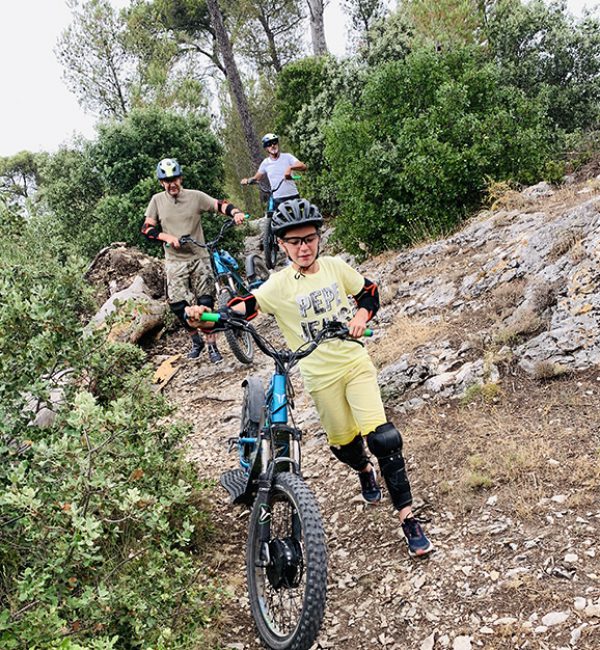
(543, 50)
(307, 93)
(100, 530)
(410, 159)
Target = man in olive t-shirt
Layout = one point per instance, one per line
(170, 215)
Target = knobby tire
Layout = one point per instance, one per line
(270, 246)
(240, 342)
(289, 617)
(261, 272)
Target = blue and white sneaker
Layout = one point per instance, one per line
(418, 544)
(213, 353)
(371, 492)
(197, 347)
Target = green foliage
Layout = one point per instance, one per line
(306, 94)
(546, 52)
(390, 39)
(19, 177)
(583, 148)
(445, 23)
(169, 41)
(112, 370)
(99, 193)
(41, 304)
(297, 85)
(72, 186)
(238, 163)
(100, 529)
(97, 66)
(411, 157)
(115, 61)
(267, 33)
(398, 141)
(363, 16)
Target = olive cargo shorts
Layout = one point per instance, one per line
(187, 280)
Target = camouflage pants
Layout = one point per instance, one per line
(188, 280)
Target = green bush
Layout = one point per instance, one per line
(101, 521)
(297, 85)
(307, 93)
(410, 158)
(543, 50)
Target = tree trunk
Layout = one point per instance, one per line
(234, 80)
(317, 27)
(264, 21)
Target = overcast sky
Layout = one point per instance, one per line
(37, 111)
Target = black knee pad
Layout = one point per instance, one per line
(353, 454)
(178, 308)
(385, 443)
(206, 300)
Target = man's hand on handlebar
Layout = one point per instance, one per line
(193, 314)
(170, 240)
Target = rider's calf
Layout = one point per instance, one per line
(353, 454)
(385, 443)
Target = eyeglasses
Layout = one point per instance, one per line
(298, 241)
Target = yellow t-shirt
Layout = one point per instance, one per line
(181, 216)
(301, 304)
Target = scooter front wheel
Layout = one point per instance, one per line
(287, 568)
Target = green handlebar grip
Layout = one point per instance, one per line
(210, 317)
(296, 177)
(368, 332)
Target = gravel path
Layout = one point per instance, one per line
(499, 578)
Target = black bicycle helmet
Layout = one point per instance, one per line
(294, 213)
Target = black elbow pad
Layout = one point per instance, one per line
(150, 231)
(368, 298)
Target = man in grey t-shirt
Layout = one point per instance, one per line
(170, 215)
(278, 166)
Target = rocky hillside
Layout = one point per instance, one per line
(488, 349)
(518, 287)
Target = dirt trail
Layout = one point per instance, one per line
(515, 566)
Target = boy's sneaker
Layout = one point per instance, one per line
(197, 347)
(371, 492)
(418, 544)
(213, 353)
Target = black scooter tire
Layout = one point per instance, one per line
(295, 522)
(240, 342)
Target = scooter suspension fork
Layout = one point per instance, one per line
(261, 502)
